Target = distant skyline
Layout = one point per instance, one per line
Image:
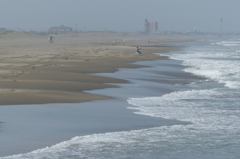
(121, 15)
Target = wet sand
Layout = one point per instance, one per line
(33, 71)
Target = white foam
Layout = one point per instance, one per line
(211, 117)
(222, 67)
(227, 43)
(201, 107)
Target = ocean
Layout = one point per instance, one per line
(210, 104)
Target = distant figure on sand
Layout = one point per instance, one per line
(51, 39)
(138, 50)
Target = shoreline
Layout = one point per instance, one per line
(29, 127)
(33, 71)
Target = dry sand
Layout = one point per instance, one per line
(33, 71)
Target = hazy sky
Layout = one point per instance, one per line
(121, 15)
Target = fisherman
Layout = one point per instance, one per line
(138, 50)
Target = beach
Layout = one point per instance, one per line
(33, 71)
(39, 80)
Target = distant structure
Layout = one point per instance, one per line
(196, 30)
(2, 29)
(150, 26)
(60, 29)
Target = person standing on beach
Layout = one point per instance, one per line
(138, 50)
(51, 39)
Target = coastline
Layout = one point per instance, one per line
(30, 127)
(33, 71)
(26, 127)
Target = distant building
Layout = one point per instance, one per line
(1, 29)
(150, 26)
(60, 29)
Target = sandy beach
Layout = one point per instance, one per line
(33, 71)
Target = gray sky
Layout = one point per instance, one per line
(121, 15)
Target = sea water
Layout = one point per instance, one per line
(212, 106)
